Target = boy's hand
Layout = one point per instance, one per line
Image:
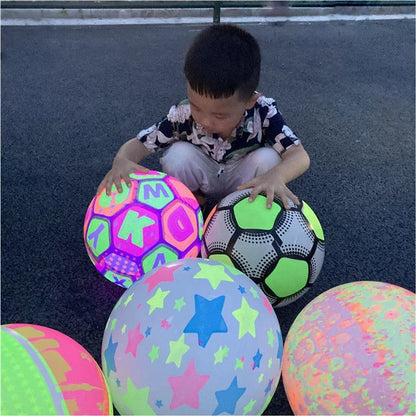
(295, 161)
(121, 169)
(272, 185)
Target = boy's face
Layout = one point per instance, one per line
(219, 115)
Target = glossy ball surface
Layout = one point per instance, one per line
(44, 372)
(155, 221)
(194, 336)
(281, 250)
(352, 351)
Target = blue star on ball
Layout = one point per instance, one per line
(109, 355)
(257, 359)
(227, 399)
(207, 319)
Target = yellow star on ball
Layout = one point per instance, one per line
(214, 274)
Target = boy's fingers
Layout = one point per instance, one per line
(100, 187)
(269, 202)
(286, 204)
(253, 195)
(128, 182)
(109, 187)
(105, 184)
(117, 183)
(249, 184)
(294, 198)
(242, 187)
(138, 168)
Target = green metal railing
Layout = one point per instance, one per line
(190, 4)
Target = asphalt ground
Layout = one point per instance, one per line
(72, 95)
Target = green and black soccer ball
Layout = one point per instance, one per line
(281, 250)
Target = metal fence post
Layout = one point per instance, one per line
(217, 12)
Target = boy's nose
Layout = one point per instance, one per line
(207, 125)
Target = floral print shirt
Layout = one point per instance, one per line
(258, 127)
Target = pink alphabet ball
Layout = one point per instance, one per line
(155, 221)
(352, 351)
(44, 372)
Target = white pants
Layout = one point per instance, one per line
(197, 171)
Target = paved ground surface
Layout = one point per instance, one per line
(72, 95)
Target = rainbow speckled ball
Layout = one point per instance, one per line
(44, 372)
(156, 221)
(194, 336)
(352, 351)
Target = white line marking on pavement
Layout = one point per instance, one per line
(196, 20)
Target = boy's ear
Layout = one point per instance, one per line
(252, 100)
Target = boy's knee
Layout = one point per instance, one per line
(264, 159)
(177, 154)
(181, 159)
(185, 162)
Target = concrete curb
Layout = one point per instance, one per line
(279, 13)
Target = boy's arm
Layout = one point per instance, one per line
(125, 162)
(295, 161)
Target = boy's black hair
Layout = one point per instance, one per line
(223, 59)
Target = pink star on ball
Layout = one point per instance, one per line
(135, 338)
(163, 274)
(186, 387)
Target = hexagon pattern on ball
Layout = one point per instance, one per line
(194, 336)
(281, 250)
(156, 221)
(351, 350)
(44, 372)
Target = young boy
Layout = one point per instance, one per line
(226, 136)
